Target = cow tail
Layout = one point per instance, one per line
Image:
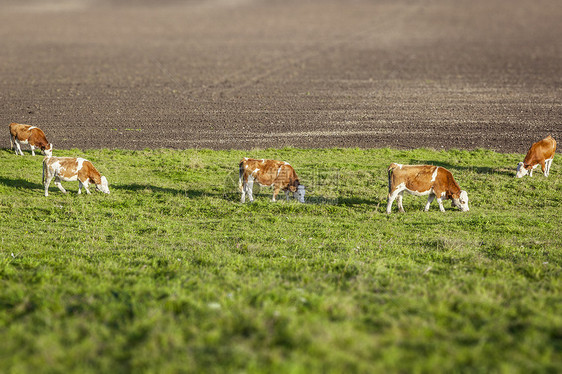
(240, 175)
(43, 176)
(390, 170)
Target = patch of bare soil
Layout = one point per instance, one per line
(254, 74)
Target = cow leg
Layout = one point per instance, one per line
(430, 200)
(548, 165)
(399, 199)
(533, 168)
(32, 150)
(287, 194)
(18, 147)
(546, 170)
(275, 193)
(11, 142)
(249, 187)
(46, 183)
(59, 185)
(85, 185)
(391, 198)
(243, 198)
(440, 202)
(543, 167)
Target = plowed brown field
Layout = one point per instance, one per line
(273, 73)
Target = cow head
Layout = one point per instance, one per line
(103, 186)
(297, 189)
(47, 150)
(522, 170)
(462, 201)
(299, 193)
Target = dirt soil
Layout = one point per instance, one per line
(251, 74)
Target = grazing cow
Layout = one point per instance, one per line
(541, 153)
(419, 180)
(71, 169)
(278, 174)
(27, 134)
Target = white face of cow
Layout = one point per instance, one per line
(299, 194)
(463, 201)
(48, 151)
(521, 171)
(103, 187)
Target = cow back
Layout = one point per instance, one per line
(267, 172)
(19, 131)
(540, 151)
(415, 177)
(262, 170)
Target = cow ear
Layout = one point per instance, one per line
(291, 184)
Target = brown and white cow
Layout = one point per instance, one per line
(27, 134)
(71, 169)
(278, 174)
(541, 153)
(419, 180)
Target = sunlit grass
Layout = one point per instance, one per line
(171, 273)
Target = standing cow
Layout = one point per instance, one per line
(278, 174)
(434, 181)
(71, 169)
(27, 134)
(541, 153)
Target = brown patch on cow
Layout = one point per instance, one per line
(278, 174)
(539, 152)
(33, 135)
(420, 178)
(68, 166)
(88, 171)
(69, 169)
(423, 180)
(268, 172)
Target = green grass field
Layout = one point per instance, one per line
(170, 273)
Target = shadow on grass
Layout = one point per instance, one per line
(358, 201)
(477, 169)
(135, 187)
(20, 183)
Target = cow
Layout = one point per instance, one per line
(27, 134)
(278, 174)
(541, 153)
(434, 181)
(71, 169)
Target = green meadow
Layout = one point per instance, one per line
(171, 273)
